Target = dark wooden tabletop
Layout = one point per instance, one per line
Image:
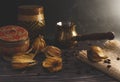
(73, 69)
(90, 16)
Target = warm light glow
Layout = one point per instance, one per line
(115, 8)
(40, 17)
(74, 33)
(59, 23)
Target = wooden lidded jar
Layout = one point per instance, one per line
(13, 39)
(31, 17)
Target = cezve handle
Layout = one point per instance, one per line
(95, 36)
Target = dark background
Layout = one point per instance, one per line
(89, 15)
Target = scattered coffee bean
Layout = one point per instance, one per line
(108, 66)
(107, 61)
(118, 58)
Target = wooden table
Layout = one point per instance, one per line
(73, 70)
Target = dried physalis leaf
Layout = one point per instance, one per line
(95, 54)
(52, 51)
(19, 65)
(39, 43)
(21, 60)
(112, 45)
(52, 64)
(23, 55)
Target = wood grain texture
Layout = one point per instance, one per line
(113, 54)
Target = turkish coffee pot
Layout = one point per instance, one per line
(66, 35)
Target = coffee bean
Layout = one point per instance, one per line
(108, 66)
(107, 61)
(118, 58)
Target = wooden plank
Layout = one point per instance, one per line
(113, 70)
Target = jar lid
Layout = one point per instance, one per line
(13, 33)
(30, 9)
